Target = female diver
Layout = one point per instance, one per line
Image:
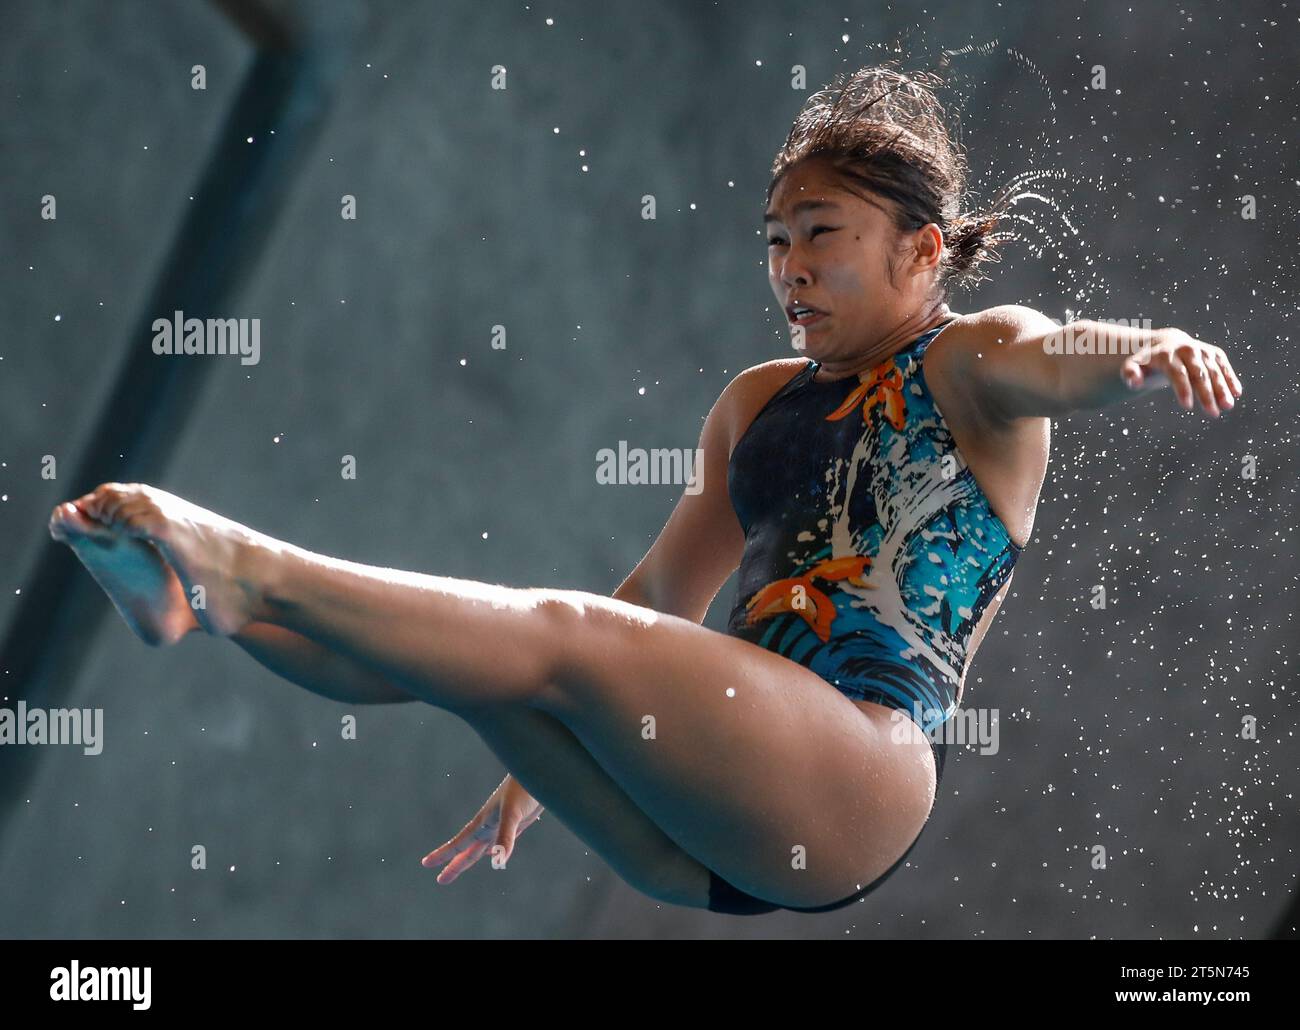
(874, 495)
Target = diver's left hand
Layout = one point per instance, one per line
(1195, 369)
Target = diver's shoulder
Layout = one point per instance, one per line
(748, 393)
(970, 339)
(1004, 323)
(775, 366)
(763, 379)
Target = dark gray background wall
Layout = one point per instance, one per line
(1121, 727)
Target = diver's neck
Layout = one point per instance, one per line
(871, 357)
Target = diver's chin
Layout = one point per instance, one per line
(802, 343)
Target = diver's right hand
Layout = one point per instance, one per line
(506, 814)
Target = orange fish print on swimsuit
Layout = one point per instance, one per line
(817, 609)
(884, 386)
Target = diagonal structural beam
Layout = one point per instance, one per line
(236, 207)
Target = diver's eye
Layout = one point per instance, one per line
(776, 241)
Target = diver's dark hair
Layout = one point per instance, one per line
(884, 131)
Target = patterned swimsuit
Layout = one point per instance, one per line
(870, 550)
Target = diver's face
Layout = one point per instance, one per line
(828, 249)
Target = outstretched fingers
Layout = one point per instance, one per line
(1228, 375)
(461, 852)
(462, 862)
(1181, 381)
(1198, 371)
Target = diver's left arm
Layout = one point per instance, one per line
(1026, 365)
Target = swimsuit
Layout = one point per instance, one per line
(870, 550)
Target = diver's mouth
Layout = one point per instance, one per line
(801, 314)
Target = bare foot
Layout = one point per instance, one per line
(144, 590)
(210, 557)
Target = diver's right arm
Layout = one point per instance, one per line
(702, 542)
